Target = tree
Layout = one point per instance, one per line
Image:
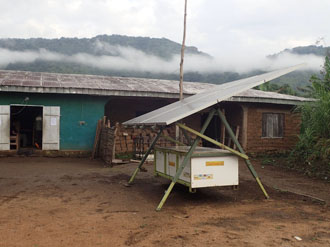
(322, 82)
(313, 147)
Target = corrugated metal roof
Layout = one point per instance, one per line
(37, 82)
(45, 81)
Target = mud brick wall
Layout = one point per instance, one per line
(106, 144)
(258, 144)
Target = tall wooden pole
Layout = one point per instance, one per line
(177, 130)
(182, 50)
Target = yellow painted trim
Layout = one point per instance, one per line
(215, 163)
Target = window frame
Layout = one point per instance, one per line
(272, 125)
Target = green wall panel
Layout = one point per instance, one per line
(75, 109)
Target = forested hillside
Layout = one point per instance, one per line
(305, 50)
(163, 48)
(73, 55)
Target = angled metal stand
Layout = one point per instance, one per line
(247, 161)
(146, 155)
(177, 111)
(200, 135)
(187, 137)
(185, 161)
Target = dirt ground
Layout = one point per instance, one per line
(78, 202)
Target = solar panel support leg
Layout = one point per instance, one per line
(146, 155)
(187, 136)
(212, 141)
(185, 161)
(247, 161)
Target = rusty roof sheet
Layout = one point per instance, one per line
(42, 82)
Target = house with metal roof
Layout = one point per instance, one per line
(50, 111)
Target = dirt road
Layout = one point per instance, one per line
(78, 202)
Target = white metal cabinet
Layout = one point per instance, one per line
(207, 167)
(214, 171)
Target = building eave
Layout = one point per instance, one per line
(122, 93)
(86, 91)
(266, 100)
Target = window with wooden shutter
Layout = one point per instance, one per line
(272, 125)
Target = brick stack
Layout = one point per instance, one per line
(128, 140)
(126, 136)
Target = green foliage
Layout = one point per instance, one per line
(272, 87)
(313, 148)
(297, 80)
(267, 161)
(321, 83)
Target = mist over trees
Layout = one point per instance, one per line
(118, 55)
(160, 47)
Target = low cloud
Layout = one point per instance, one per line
(130, 59)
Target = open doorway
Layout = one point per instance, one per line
(26, 127)
(216, 129)
(213, 131)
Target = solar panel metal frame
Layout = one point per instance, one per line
(193, 104)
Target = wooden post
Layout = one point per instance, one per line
(114, 143)
(237, 135)
(223, 130)
(177, 131)
(229, 142)
(104, 121)
(182, 50)
(97, 138)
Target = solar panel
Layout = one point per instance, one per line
(190, 105)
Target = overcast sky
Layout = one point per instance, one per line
(239, 29)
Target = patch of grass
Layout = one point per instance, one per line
(124, 156)
(267, 161)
